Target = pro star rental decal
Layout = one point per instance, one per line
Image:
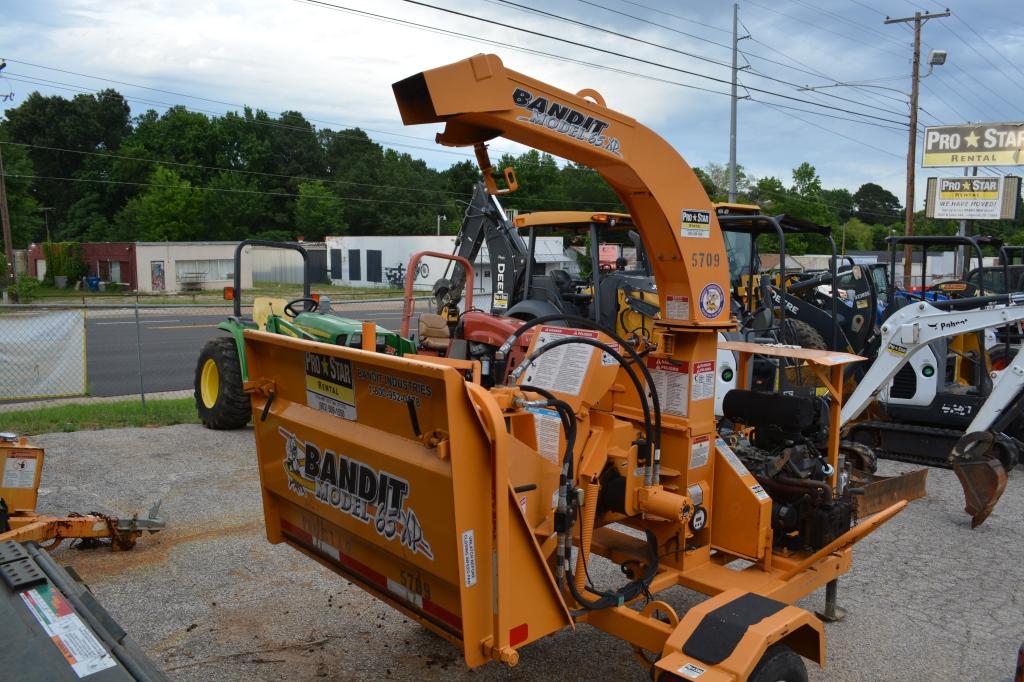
(357, 489)
(564, 119)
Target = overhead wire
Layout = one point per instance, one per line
(648, 62)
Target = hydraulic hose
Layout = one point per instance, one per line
(607, 349)
(655, 402)
(586, 533)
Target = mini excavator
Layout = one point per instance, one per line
(481, 511)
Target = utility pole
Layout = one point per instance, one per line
(736, 38)
(6, 219)
(919, 20)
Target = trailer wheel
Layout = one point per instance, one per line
(779, 664)
(220, 400)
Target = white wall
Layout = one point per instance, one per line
(171, 253)
(399, 249)
(393, 250)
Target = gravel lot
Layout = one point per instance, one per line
(210, 599)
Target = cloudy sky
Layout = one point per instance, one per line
(661, 62)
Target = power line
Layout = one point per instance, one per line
(226, 190)
(818, 26)
(328, 5)
(833, 132)
(608, 31)
(328, 181)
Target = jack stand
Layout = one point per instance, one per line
(831, 613)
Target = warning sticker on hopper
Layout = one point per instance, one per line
(329, 385)
(672, 382)
(19, 470)
(700, 451)
(703, 380)
(562, 368)
(547, 425)
(76, 642)
(730, 457)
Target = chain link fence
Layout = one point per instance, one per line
(67, 350)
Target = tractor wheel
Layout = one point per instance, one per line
(220, 400)
(805, 335)
(779, 664)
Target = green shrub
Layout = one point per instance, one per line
(24, 287)
(64, 259)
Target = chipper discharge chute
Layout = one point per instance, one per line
(476, 511)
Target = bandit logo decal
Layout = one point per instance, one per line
(373, 497)
(564, 119)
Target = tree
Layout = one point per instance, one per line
(718, 174)
(318, 212)
(806, 182)
(875, 205)
(86, 123)
(840, 201)
(856, 236)
(168, 210)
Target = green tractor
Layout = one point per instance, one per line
(221, 371)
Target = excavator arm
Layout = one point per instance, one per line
(484, 222)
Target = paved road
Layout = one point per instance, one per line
(170, 346)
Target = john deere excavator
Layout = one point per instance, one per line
(477, 511)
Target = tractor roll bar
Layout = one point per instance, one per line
(274, 245)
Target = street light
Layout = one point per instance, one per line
(440, 217)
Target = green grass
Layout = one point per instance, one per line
(47, 294)
(93, 416)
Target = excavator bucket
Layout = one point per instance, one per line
(977, 464)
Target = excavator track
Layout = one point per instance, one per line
(874, 434)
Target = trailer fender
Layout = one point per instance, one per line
(725, 637)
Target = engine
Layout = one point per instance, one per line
(781, 443)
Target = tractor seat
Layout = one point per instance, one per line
(433, 332)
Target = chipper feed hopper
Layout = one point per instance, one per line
(477, 510)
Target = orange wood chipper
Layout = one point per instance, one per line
(483, 512)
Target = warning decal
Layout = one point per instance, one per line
(562, 368)
(76, 642)
(671, 381)
(547, 425)
(329, 385)
(703, 380)
(19, 470)
(677, 307)
(731, 457)
(700, 451)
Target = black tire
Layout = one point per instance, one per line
(805, 335)
(231, 409)
(779, 664)
(802, 334)
(859, 455)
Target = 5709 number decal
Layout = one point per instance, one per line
(705, 259)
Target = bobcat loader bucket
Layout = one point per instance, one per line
(397, 473)
(976, 462)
